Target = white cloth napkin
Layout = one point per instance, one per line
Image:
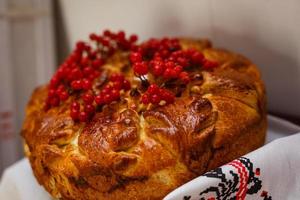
(271, 172)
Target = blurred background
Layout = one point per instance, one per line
(36, 35)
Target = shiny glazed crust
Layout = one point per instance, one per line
(130, 153)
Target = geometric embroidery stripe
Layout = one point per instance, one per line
(242, 191)
(244, 179)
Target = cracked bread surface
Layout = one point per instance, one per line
(132, 151)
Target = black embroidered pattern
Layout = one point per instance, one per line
(236, 184)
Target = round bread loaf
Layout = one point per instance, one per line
(133, 150)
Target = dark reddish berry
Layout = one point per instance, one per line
(88, 98)
(86, 84)
(168, 73)
(197, 57)
(117, 77)
(80, 46)
(84, 61)
(83, 116)
(107, 33)
(89, 108)
(155, 99)
(115, 94)
(52, 93)
(167, 96)
(153, 89)
(54, 101)
(145, 99)
(63, 95)
(178, 69)
(135, 57)
(133, 38)
(126, 85)
(74, 114)
(140, 68)
(209, 64)
(121, 35)
(107, 98)
(117, 85)
(97, 63)
(99, 99)
(54, 82)
(87, 71)
(93, 36)
(76, 85)
(184, 77)
(158, 70)
(76, 73)
(75, 105)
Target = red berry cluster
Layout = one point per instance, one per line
(156, 95)
(109, 93)
(113, 41)
(165, 58)
(78, 72)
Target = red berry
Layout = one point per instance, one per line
(83, 116)
(93, 36)
(153, 89)
(126, 85)
(170, 64)
(60, 88)
(74, 114)
(115, 77)
(88, 98)
(168, 73)
(76, 73)
(54, 82)
(158, 69)
(99, 99)
(107, 98)
(87, 71)
(60, 73)
(197, 57)
(107, 33)
(86, 84)
(174, 73)
(208, 64)
(75, 105)
(155, 99)
(140, 68)
(80, 45)
(89, 108)
(133, 38)
(178, 69)
(117, 85)
(167, 96)
(145, 99)
(52, 93)
(76, 85)
(135, 57)
(105, 42)
(121, 35)
(115, 94)
(97, 63)
(84, 61)
(64, 95)
(183, 61)
(184, 77)
(54, 101)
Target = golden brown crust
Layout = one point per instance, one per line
(128, 154)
